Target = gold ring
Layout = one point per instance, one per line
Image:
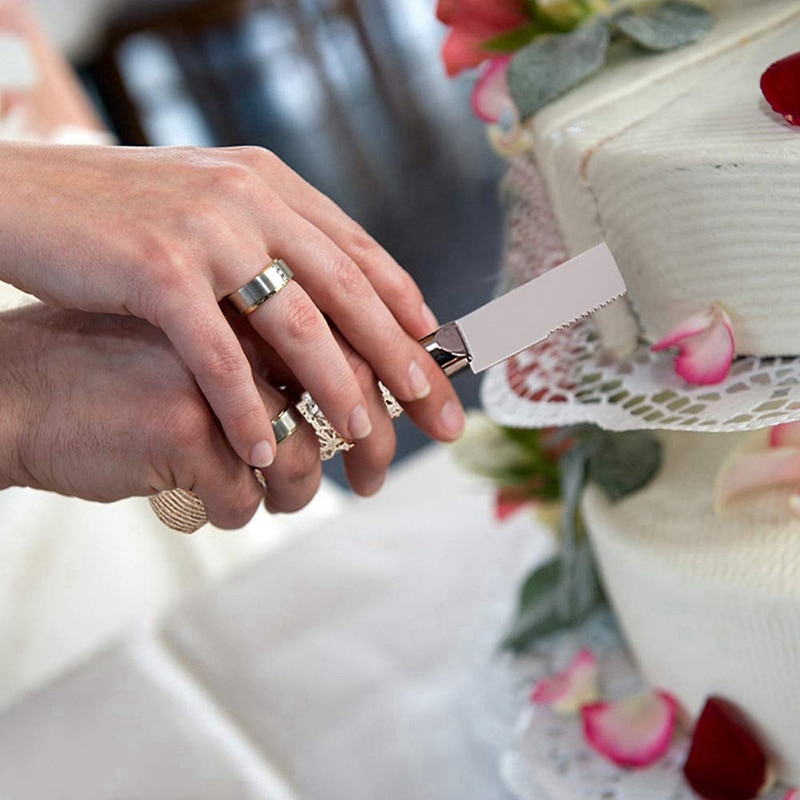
(285, 424)
(274, 277)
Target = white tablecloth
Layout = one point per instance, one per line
(353, 663)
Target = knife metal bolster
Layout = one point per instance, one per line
(446, 346)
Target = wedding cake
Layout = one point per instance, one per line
(677, 162)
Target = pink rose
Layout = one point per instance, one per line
(473, 23)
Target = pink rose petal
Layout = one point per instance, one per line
(573, 687)
(792, 794)
(634, 732)
(788, 433)
(473, 23)
(705, 346)
(490, 98)
(762, 469)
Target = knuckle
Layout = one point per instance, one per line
(348, 279)
(233, 180)
(303, 468)
(256, 157)
(402, 288)
(303, 322)
(224, 365)
(241, 503)
(360, 243)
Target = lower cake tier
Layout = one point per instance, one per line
(709, 603)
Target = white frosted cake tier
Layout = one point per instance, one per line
(678, 163)
(709, 604)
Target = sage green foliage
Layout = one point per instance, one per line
(672, 24)
(565, 590)
(550, 61)
(544, 605)
(622, 463)
(549, 67)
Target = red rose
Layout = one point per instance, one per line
(473, 23)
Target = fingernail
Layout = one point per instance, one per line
(452, 419)
(420, 386)
(262, 455)
(359, 424)
(429, 317)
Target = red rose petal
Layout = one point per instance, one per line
(725, 761)
(780, 85)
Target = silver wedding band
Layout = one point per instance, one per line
(285, 424)
(274, 277)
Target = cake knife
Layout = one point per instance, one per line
(484, 337)
(528, 314)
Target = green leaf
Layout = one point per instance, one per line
(541, 610)
(674, 23)
(549, 67)
(623, 463)
(509, 41)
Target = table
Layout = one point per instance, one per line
(351, 663)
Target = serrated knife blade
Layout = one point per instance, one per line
(528, 314)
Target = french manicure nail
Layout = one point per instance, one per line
(417, 381)
(452, 419)
(359, 423)
(262, 455)
(430, 318)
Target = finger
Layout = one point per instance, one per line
(339, 288)
(210, 468)
(295, 475)
(393, 284)
(209, 347)
(366, 465)
(297, 330)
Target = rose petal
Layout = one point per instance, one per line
(788, 433)
(573, 687)
(780, 85)
(510, 499)
(490, 98)
(705, 346)
(762, 469)
(725, 761)
(634, 732)
(473, 23)
(792, 794)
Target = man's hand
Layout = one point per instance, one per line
(101, 407)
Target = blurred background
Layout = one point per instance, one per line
(350, 93)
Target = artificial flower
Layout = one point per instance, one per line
(571, 688)
(473, 23)
(490, 98)
(780, 85)
(769, 459)
(705, 346)
(633, 732)
(726, 761)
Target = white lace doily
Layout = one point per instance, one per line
(549, 758)
(569, 379)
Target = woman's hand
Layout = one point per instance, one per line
(166, 234)
(101, 407)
